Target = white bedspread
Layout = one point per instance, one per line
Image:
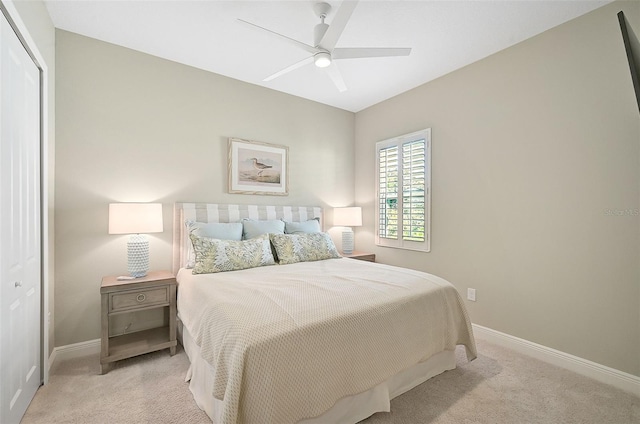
(287, 341)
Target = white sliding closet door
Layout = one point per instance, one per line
(20, 239)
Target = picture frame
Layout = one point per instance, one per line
(258, 168)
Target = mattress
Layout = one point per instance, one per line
(290, 343)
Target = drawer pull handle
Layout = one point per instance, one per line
(141, 297)
(17, 284)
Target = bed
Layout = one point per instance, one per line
(313, 341)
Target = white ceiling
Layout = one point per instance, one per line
(444, 36)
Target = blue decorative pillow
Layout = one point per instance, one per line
(252, 229)
(310, 226)
(217, 230)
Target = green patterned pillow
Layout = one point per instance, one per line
(214, 255)
(304, 247)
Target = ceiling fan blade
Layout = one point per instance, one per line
(356, 53)
(300, 44)
(336, 77)
(338, 24)
(290, 68)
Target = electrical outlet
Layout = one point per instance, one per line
(471, 294)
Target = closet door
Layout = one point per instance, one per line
(20, 240)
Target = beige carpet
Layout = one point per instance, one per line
(500, 387)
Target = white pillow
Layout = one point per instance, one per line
(310, 226)
(216, 230)
(252, 229)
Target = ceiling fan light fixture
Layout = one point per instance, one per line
(322, 59)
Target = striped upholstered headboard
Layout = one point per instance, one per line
(211, 212)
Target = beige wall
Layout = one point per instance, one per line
(36, 18)
(133, 127)
(531, 149)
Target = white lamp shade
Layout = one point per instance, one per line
(347, 217)
(135, 218)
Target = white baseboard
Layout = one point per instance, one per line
(75, 350)
(621, 380)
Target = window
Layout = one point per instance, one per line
(403, 186)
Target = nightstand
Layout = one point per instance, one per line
(155, 290)
(362, 256)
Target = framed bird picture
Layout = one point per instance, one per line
(258, 168)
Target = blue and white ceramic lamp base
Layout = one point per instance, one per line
(138, 255)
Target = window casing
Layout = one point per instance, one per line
(403, 191)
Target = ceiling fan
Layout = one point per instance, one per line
(325, 37)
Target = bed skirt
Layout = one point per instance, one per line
(350, 409)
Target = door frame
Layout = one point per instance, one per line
(12, 15)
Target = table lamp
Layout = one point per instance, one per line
(347, 217)
(136, 219)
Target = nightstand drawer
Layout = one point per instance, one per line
(138, 299)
